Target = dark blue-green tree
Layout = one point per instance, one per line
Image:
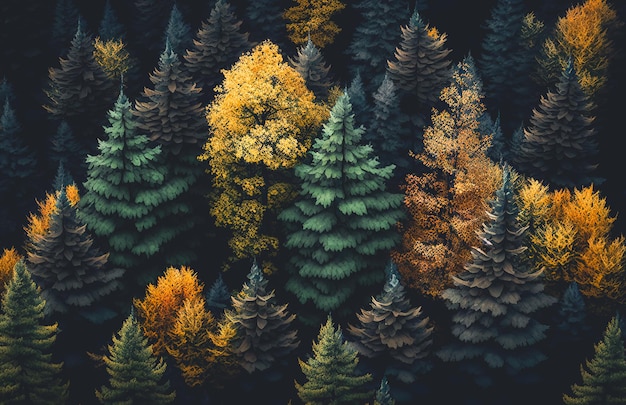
(311, 65)
(263, 19)
(360, 104)
(110, 26)
(343, 225)
(218, 296)
(63, 25)
(178, 32)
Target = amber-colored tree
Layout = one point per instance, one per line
(112, 56)
(157, 311)
(313, 17)
(261, 123)
(7, 262)
(447, 203)
(585, 34)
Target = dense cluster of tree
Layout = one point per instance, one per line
(338, 173)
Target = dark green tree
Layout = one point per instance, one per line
(65, 16)
(342, 227)
(394, 332)
(178, 32)
(383, 394)
(218, 43)
(127, 193)
(28, 374)
(358, 99)
(265, 331)
(63, 178)
(571, 322)
(560, 145)
(110, 26)
(375, 38)
(135, 374)
(604, 376)
(495, 301)
(171, 113)
(311, 65)
(150, 18)
(331, 373)
(64, 147)
(7, 91)
(218, 297)
(263, 19)
(71, 271)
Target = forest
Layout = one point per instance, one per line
(312, 202)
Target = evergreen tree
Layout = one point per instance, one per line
(604, 377)
(218, 43)
(494, 301)
(67, 149)
(110, 27)
(571, 318)
(150, 18)
(171, 114)
(265, 334)
(560, 145)
(394, 331)
(65, 16)
(383, 394)
(127, 193)
(73, 274)
(218, 297)
(374, 39)
(264, 20)
(135, 374)
(63, 178)
(310, 63)
(28, 374)
(331, 373)
(7, 91)
(178, 32)
(497, 151)
(358, 98)
(344, 221)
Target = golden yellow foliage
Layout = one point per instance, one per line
(158, 310)
(7, 262)
(313, 17)
(37, 225)
(112, 57)
(555, 244)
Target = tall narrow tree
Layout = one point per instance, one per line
(178, 32)
(110, 26)
(310, 63)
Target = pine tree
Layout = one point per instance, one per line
(217, 44)
(394, 331)
(28, 374)
(150, 18)
(135, 374)
(560, 144)
(358, 98)
(331, 373)
(110, 27)
(571, 323)
(218, 296)
(6, 91)
(71, 271)
(63, 178)
(310, 63)
(64, 147)
(383, 394)
(265, 333)
(65, 16)
(604, 377)
(127, 193)
(495, 301)
(178, 32)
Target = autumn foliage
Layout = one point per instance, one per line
(7, 262)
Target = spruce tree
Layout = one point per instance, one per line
(64, 147)
(178, 32)
(331, 373)
(6, 91)
(218, 297)
(110, 26)
(265, 333)
(571, 320)
(127, 193)
(495, 301)
(604, 376)
(343, 224)
(28, 374)
(150, 18)
(65, 16)
(310, 63)
(560, 145)
(394, 332)
(218, 43)
(135, 374)
(383, 394)
(358, 98)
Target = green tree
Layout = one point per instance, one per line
(65, 16)
(265, 332)
(604, 377)
(178, 32)
(110, 26)
(218, 297)
(383, 394)
(28, 374)
(331, 373)
(560, 145)
(310, 63)
(261, 122)
(64, 147)
(495, 301)
(135, 374)
(342, 227)
(394, 332)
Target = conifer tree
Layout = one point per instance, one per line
(218, 296)
(178, 32)
(28, 374)
(66, 148)
(264, 20)
(217, 44)
(604, 375)
(560, 144)
(383, 394)
(63, 178)
(394, 332)
(171, 114)
(135, 374)
(8, 259)
(358, 98)
(495, 301)
(331, 373)
(65, 16)
(310, 63)
(344, 223)
(71, 271)
(265, 333)
(6, 91)
(110, 27)
(571, 320)
(150, 18)
(127, 193)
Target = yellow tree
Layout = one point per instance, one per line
(447, 203)
(313, 17)
(112, 57)
(7, 262)
(585, 33)
(158, 310)
(261, 124)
